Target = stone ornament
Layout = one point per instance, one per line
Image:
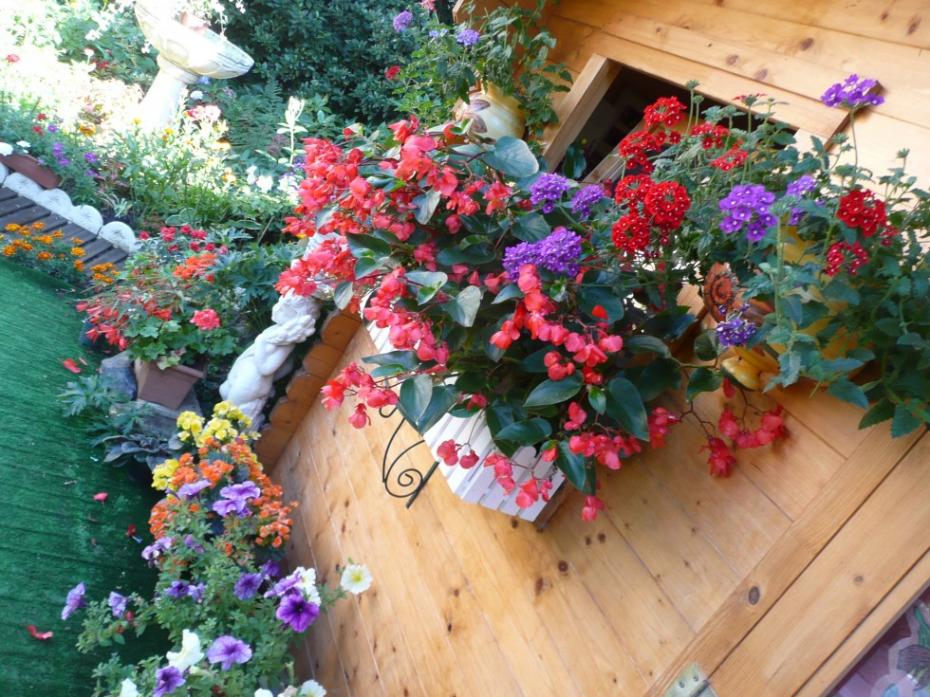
(250, 380)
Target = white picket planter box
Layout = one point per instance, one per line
(477, 485)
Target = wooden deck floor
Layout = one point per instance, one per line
(680, 567)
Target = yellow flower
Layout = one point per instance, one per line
(219, 428)
(161, 475)
(87, 129)
(12, 227)
(228, 410)
(190, 425)
(136, 121)
(58, 234)
(44, 239)
(77, 251)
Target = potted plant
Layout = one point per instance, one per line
(19, 160)
(492, 71)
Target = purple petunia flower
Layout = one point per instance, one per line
(854, 92)
(196, 592)
(235, 499)
(178, 589)
(156, 549)
(467, 37)
(74, 601)
(91, 158)
(191, 543)
(247, 586)
(297, 612)
(558, 252)
(52, 128)
(189, 491)
(586, 198)
(227, 651)
(402, 20)
(286, 585)
(748, 206)
(117, 604)
(270, 569)
(547, 190)
(167, 680)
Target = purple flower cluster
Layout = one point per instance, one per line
(118, 604)
(184, 589)
(586, 198)
(548, 190)
(236, 499)
(736, 330)
(228, 650)
(58, 152)
(191, 543)
(558, 253)
(167, 680)
(402, 20)
(748, 206)
(74, 601)
(247, 586)
(798, 188)
(155, 550)
(853, 92)
(437, 33)
(467, 37)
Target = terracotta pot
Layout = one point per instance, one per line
(168, 386)
(30, 167)
(492, 113)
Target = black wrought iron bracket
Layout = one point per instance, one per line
(402, 482)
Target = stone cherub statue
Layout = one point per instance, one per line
(249, 382)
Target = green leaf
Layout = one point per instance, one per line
(508, 292)
(426, 206)
(342, 296)
(882, 411)
(660, 376)
(407, 359)
(591, 296)
(531, 228)
(576, 469)
(443, 399)
(904, 421)
(703, 380)
(597, 398)
(554, 391)
(367, 265)
(705, 346)
(625, 404)
(512, 158)
(645, 343)
(426, 283)
(849, 391)
(360, 244)
(415, 395)
(473, 256)
(464, 307)
(525, 432)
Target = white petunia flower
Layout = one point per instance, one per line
(262, 692)
(6, 149)
(128, 689)
(264, 183)
(312, 688)
(356, 578)
(189, 654)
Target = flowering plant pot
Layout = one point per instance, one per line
(166, 386)
(30, 167)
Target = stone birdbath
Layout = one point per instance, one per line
(186, 52)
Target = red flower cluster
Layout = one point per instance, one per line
(731, 159)
(860, 209)
(842, 254)
(665, 111)
(354, 381)
(721, 459)
(193, 239)
(712, 135)
(652, 205)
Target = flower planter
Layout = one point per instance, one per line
(492, 113)
(166, 386)
(30, 167)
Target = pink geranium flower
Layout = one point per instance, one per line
(206, 319)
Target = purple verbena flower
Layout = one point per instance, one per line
(854, 92)
(227, 651)
(52, 128)
(800, 186)
(58, 149)
(167, 680)
(736, 330)
(247, 586)
(747, 206)
(437, 33)
(547, 190)
(117, 604)
(467, 37)
(586, 198)
(402, 20)
(91, 158)
(558, 252)
(297, 612)
(74, 601)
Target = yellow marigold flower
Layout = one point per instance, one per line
(38, 225)
(161, 475)
(44, 239)
(43, 256)
(136, 121)
(77, 251)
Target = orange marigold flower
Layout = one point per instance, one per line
(58, 234)
(78, 251)
(9, 250)
(195, 266)
(44, 239)
(12, 227)
(38, 225)
(43, 256)
(79, 265)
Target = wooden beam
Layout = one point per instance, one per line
(576, 106)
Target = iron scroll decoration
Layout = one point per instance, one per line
(402, 482)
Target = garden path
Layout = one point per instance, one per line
(53, 534)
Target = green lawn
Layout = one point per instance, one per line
(52, 533)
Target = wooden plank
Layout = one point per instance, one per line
(799, 111)
(6, 193)
(12, 205)
(862, 563)
(72, 231)
(576, 107)
(25, 216)
(113, 255)
(803, 540)
(861, 640)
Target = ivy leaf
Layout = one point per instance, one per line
(849, 391)
(512, 157)
(526, 432)
(426, 283)
(703, 380)
(625, 404)
(554, 391)
(415, 395)
(464, 307)
(904, 421)
(576, 469)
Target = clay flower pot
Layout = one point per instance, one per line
(30, 167)
(492, 113)
(166, 386)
